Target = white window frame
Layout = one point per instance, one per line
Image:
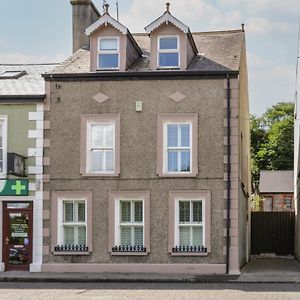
(3, 121)
(129, 224)
(90, 148)
(166, 148)
(99, 51)
(191, 224)
(60, 219)
(168, 51)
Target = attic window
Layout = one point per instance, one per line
(12, 74)
(168, 52)
(108, 53)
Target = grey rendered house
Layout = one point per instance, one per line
(149, 150)
(22, 93)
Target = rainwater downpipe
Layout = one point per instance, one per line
(228, 94)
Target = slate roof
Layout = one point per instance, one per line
(32, 83)
(276, 182)
(218, 51)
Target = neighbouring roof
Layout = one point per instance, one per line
(276, 182)
(29, 81)
(218, 51)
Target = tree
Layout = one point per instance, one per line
(272, 139)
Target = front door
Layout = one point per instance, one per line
(17, 235)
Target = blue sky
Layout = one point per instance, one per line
(41, 31)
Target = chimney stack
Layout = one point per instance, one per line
(84, 14)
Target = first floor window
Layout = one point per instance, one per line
(131, 223)
(74, 223)
(101, 148)
(190, 223)
(178, 148)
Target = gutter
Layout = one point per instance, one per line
(228, 95)
(146, 75)
(22, 98)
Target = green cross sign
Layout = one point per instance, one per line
(13, 187)
(19, 187)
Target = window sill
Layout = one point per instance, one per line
(189, 254)
(100, 175)
(129, 253)
(177, 175)
(76, 253)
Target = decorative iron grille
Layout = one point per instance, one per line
(128, 248)
(71, 248)
(189, 249)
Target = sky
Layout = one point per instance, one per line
(36, 31)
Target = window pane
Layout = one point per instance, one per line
(185, 161)
(197, 236)
(125, 238)
(1, 166)
(109, 160)
(81, 235)
(184, 211)
(168, 59)
(109, 135)
(184, 236)
(108, 44)
(138, 236)
(168, 43)
(138, 211)
(108, 60)
(68, 211)
(97, 135)
(125, 211)
(185, 135)
(97, 160)
(172, 135)
(68, 235)
(81, 211)
(1, 154)
(172, 161)
(197, 211)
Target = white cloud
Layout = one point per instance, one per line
(19, 58)
(256, 25)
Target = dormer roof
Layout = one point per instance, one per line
(166, 18)
(105, 20)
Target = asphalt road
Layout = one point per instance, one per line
(141, 291)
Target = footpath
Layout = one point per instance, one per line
(258, 270)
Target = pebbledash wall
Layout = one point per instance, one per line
(25, 127)
(68, 100)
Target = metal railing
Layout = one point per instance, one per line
(128, 248)
(71, 248)
(189, 249)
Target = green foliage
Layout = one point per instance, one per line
(256, 202)
(272, 139)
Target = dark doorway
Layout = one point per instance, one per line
(17, 235)
(273, 232)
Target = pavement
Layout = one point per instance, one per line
(258, 270)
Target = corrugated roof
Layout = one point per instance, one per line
(32, 83)
(276, 182)
(218, 51)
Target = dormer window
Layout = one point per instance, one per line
(168, 52)
(108, 53)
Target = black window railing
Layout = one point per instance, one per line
(128, 248)
(189, 249)
(71, 248)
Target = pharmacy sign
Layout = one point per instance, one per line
(14, 187)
